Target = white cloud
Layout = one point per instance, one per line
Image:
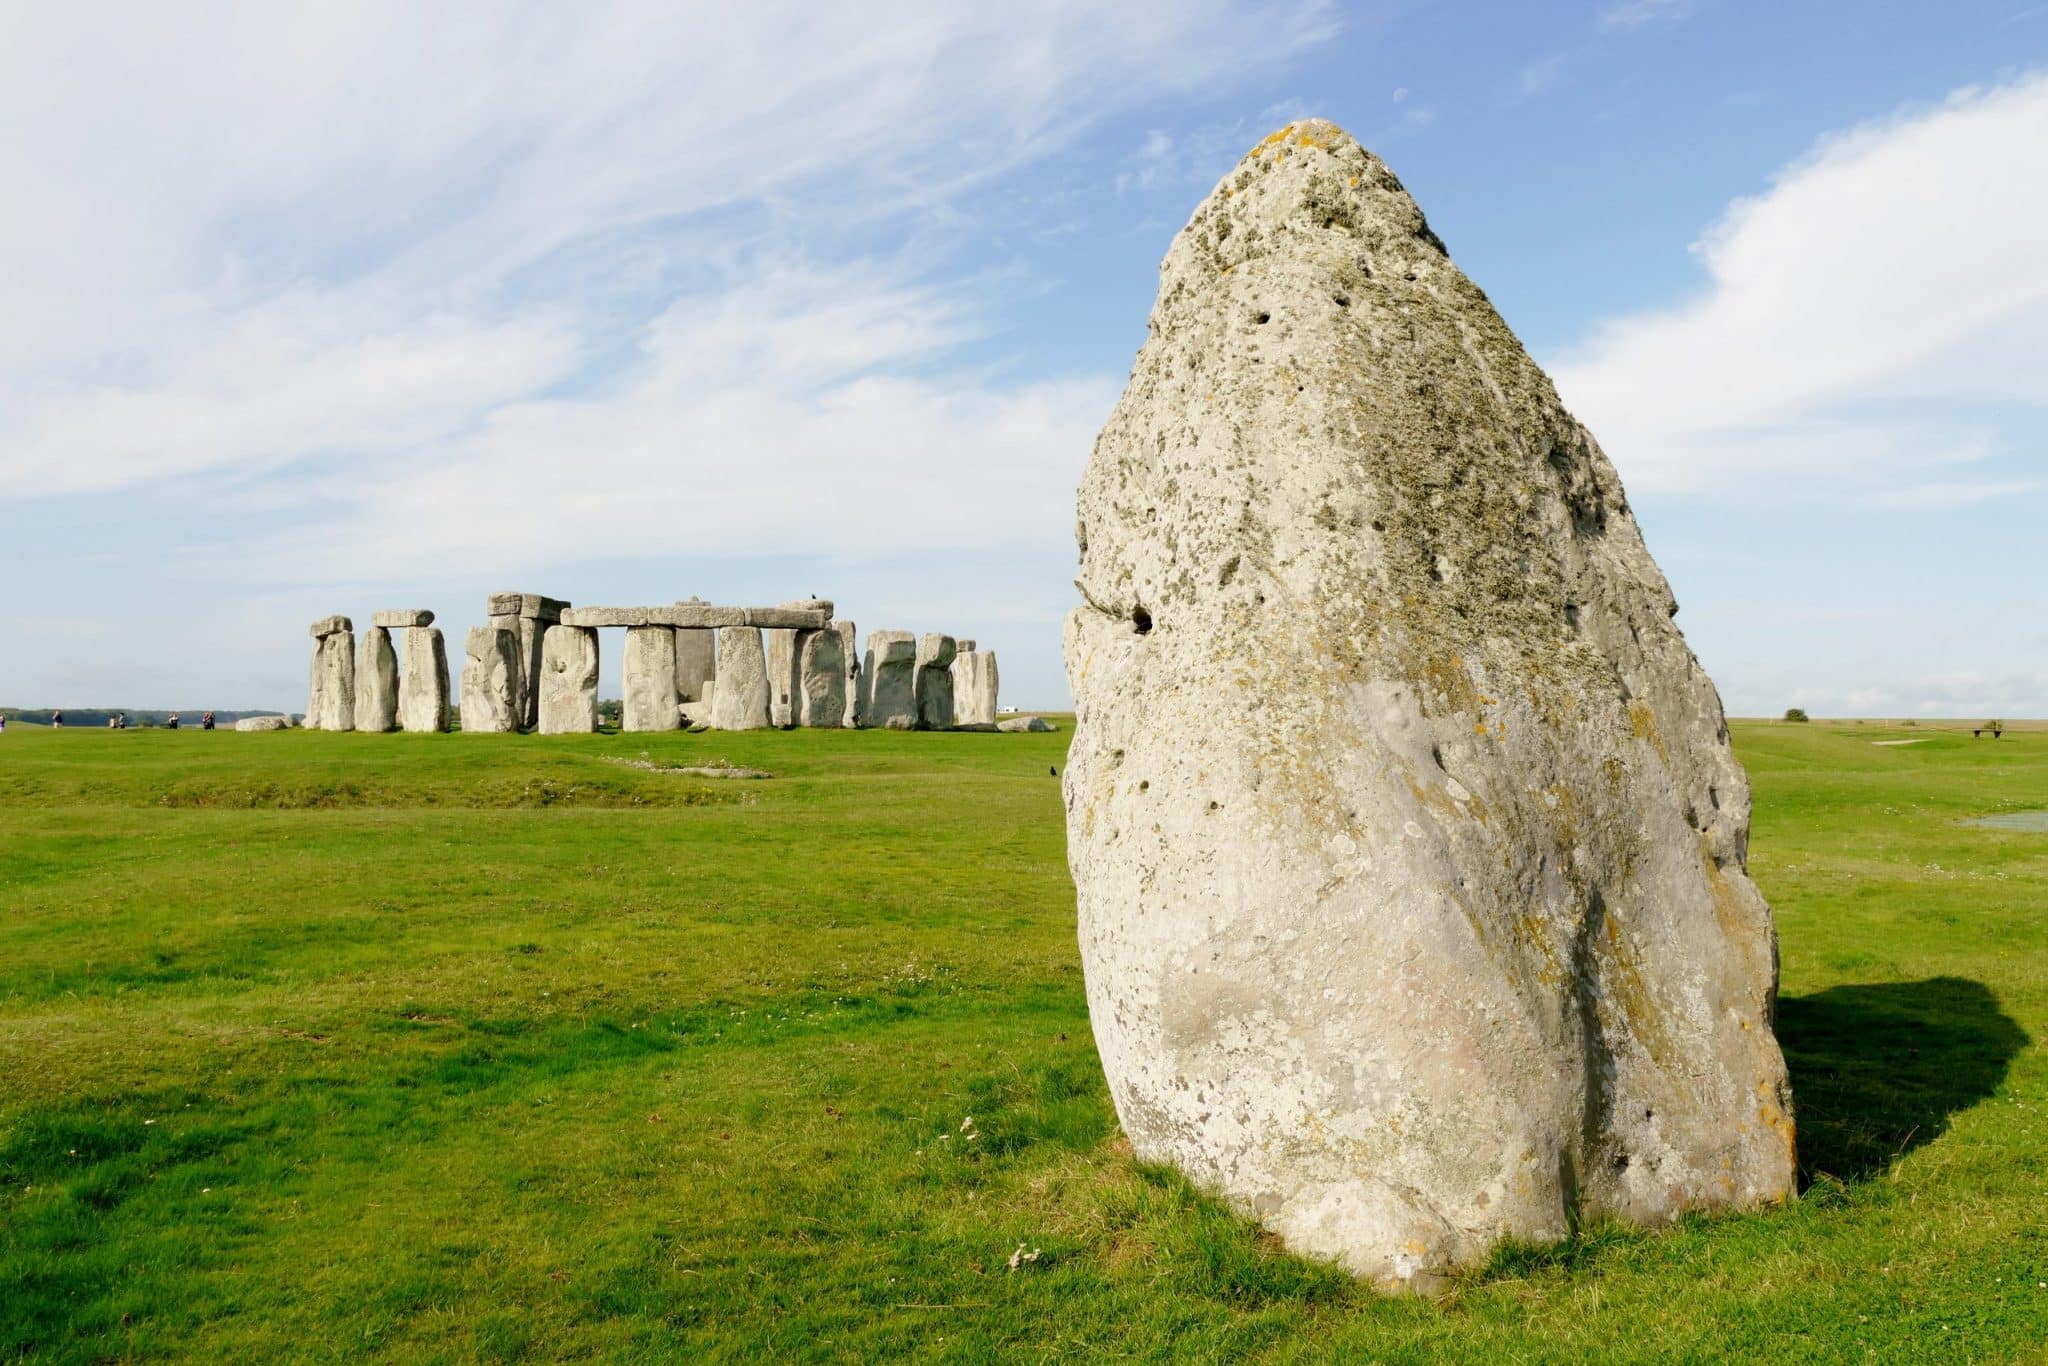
(1887, 278)
(1959, 493)
(380, 238)
(1630, 14)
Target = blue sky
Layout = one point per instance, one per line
(388, 306)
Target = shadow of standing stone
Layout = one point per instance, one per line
(1877, 1070)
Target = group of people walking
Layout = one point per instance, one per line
(119, 721)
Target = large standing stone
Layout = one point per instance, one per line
(527, 616)
(331, 676)
(974, 686)
(821, 667)
(490, 679)
(785, 666)
(696, 659)
(423, 681)
(568, 681)
(649, 677)
(849, 650)
(934, 681)
(377, 682)
(739, 700)
(1408, 841)
(889, 680)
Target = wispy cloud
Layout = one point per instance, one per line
(1634, 14)
(1953, 494)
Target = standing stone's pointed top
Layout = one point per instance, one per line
(1408, 844)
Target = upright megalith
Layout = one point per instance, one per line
(785, 664)
(649, 679)
(849, 652)
(331, 686)
(1408, 843)
(696, 659)
(933, 683)
(423, 681)
(821, 679)
(740, 699)
(889, 680)
(377, 682)
(490, 680)
(974, 685)
(568, 681)
(527, 616)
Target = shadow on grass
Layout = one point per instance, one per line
(1878, 1069)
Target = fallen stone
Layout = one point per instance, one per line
(568, 681)
(423, 681)
(934, 681)
(1408, 843)
(328, 626)
(740, 700)
(490, 680)
(1022, 724)
(264, 723)
(400, 619)
(889, 680)
(649, 674)
(377, 682)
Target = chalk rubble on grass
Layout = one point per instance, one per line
(1409, 846)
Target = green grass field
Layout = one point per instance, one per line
(463, 1047)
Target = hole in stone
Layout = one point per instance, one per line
(1144, 785)
(1141, 620)
(1262, 318)
(1215, 806)
(1621, 1163)
(1436, 754)
(1342, 300)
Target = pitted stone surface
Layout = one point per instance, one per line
(1409, 846)
(423, 681)
(849, 651)
(568, 681)
(821, 679)
(739, 700)
(974, 686)
(490, 680)
(889, 680)
(331, 696)
(377, 682)
(649, 674)
(933, 682)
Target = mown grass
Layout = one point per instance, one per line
(456, 1048)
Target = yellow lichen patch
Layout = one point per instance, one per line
(1642, 723)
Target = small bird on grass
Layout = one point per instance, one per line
(1055, 772)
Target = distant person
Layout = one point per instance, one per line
(171, 721)
(206, 720)
(57, 720)
(3, 725)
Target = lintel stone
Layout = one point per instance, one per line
(330, 626)
(402, 618)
